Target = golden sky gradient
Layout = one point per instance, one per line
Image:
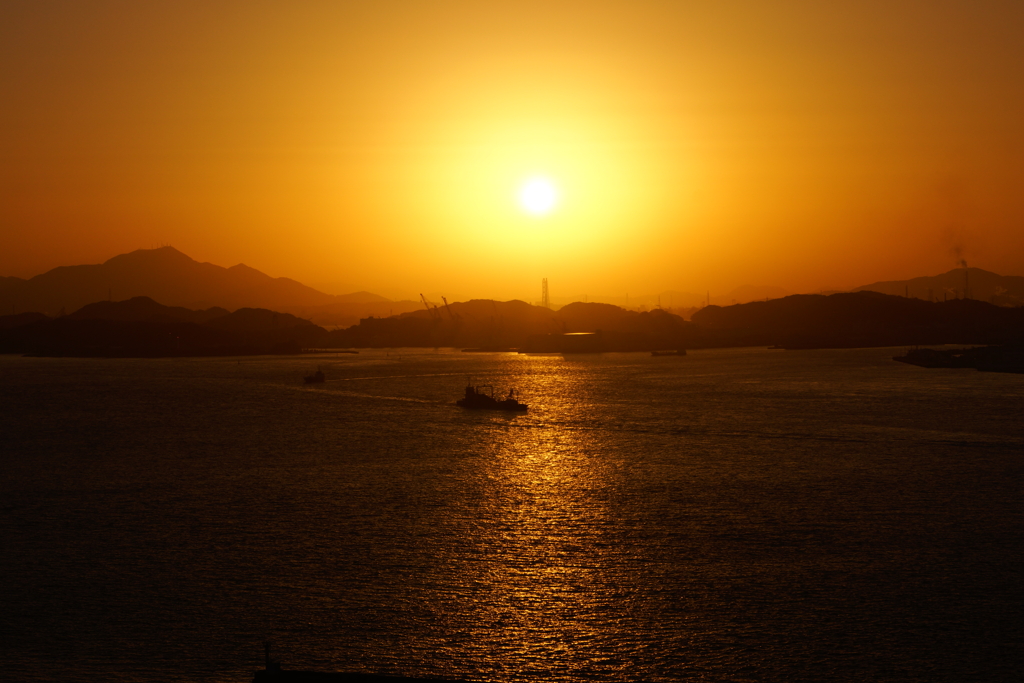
(382, 145)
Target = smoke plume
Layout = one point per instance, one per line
(958, 255)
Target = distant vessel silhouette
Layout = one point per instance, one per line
(317, 377)
(678, 352)
(478, 398)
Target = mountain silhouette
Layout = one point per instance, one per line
(170, 277)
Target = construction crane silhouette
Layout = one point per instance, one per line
(435, 314)
(448, 308)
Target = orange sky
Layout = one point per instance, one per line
(380, 145)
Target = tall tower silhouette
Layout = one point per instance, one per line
(545, 301)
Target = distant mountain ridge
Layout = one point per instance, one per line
(959, 283)
(170, 277)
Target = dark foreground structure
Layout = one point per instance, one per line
(1004, 358)
(276, 675)
(273, 673)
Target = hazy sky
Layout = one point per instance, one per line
(381, 145)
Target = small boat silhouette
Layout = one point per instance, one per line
(317, 377)
(482, 398)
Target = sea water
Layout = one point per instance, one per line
(730, 515)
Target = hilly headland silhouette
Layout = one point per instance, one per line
(141, 327)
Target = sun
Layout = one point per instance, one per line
(538, 196)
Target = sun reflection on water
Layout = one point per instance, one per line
(548, 582)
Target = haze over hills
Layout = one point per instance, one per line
(1003, 290)
(174, 279)
(163, 274)
(672, 299)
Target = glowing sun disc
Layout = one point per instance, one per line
(538, 196)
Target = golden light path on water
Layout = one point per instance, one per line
(545, 564)
(552, 587)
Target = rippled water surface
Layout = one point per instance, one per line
(734, 515)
